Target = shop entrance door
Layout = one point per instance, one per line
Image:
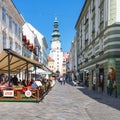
(101, 78)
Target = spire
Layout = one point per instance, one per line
(55, 33)
(55, 18)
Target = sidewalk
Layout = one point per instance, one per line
(102, 98)
(64, 102)
(89, 105)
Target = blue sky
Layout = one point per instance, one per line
(41, 15)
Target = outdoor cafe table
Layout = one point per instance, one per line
(18, 91)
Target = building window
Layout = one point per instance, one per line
(86, 19)
(93, 29)
(93, 5)
(16, 47)
(93, 25)
(86, 34)
(3, 14)
(19, 31)
(10, 22)
(11, 44)
(101, 45)
(4, 41)
(37, 50)
(101, 15)
(19, 49)
(16, 29)
(93, 51)
(101, 2)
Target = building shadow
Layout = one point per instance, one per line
(102, 97)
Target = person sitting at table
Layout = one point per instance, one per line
(4, 86)
(34, 85)
(24, 83)
(15, 80)
(31, 82)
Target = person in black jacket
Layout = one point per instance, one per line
(15, 80)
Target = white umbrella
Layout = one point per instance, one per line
(41, 71)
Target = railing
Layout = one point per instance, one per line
(24, 93)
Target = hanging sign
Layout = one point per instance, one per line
(28, 93)
(8, 93)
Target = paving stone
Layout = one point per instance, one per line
(64, 102)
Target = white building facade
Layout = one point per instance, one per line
(11, 23)
(98, 40)
(38, 41)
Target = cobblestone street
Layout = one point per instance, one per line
(64, 102)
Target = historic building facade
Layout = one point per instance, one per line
(50, 63)
(11, 23)
(65, 62)
(37, 42)
(20, 36)
(56, 51)
(34, 47)
(98, 45)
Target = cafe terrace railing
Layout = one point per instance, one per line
(24, 94)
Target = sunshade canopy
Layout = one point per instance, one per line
(15, 63)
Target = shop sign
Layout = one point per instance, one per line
(28, 93)
(8, 93)
(112, 70)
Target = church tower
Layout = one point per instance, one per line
(56, 52)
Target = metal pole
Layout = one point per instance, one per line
(9, 68)
(35, 72)
(27, 74)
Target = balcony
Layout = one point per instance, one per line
(93, 55)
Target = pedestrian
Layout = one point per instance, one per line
(73, 77)
(94, 82)
(77, 75)
(61, 80)
(64, 80)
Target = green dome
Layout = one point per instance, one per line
(55, 33)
